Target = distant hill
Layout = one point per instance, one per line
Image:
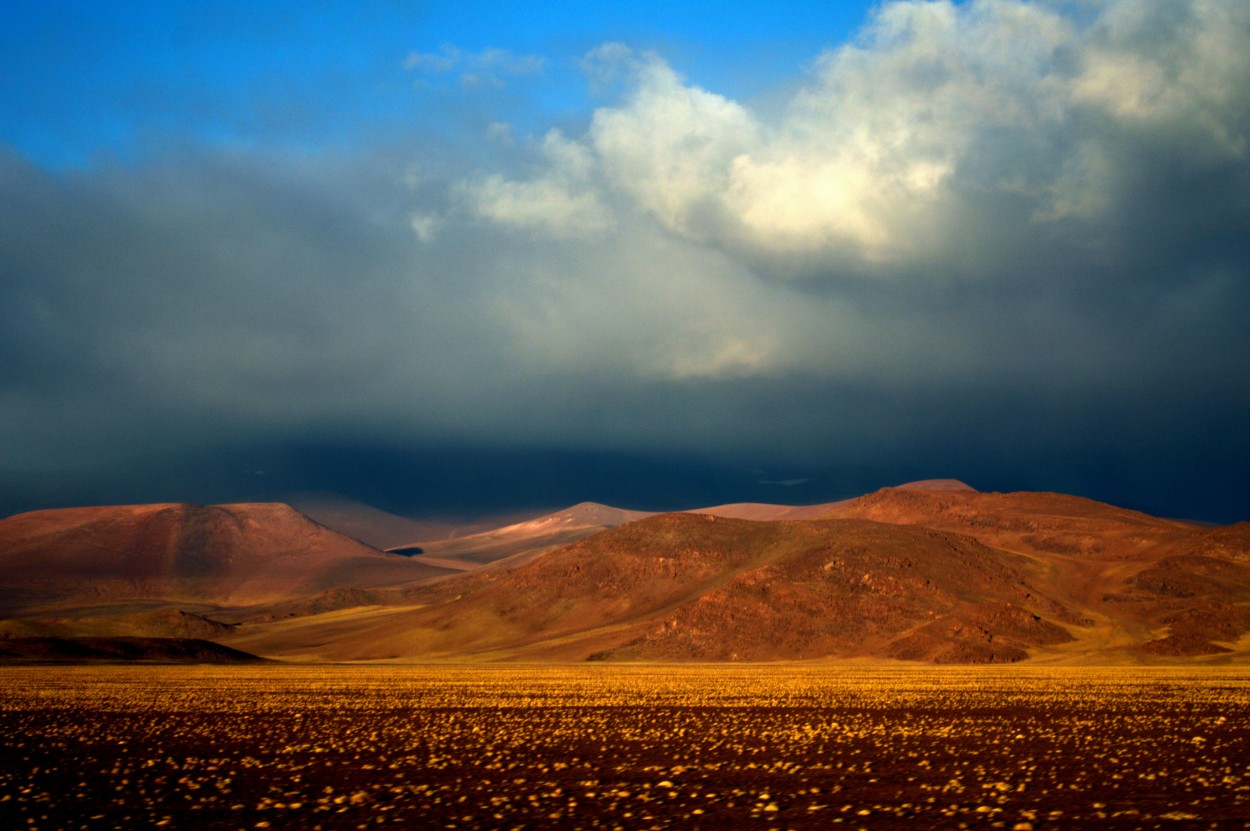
(528, 537)
(1040, 523)
(514, 541)
(929, 571)
(383, 530)
(221, 555)
(372, 526)
(764, 512)
(1177, 588)
(159, 622)
(691, 587)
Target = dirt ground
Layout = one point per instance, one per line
(628, 747)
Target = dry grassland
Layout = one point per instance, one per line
(629, 747)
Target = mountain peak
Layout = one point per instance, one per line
(937, 485)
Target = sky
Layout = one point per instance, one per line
(451, 258)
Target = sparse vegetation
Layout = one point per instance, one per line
(629, 747)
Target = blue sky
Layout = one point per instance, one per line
(367, 248)
(81, 79)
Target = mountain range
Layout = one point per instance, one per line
(930, 571)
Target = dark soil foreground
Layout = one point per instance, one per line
(625, 747)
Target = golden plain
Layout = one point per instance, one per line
(623, 747)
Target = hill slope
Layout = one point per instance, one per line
(692, 587)
(941, 574)
(1169, 588)
(931, 571)
(527, 538)
(217, 555)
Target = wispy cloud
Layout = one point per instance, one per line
(488, 67)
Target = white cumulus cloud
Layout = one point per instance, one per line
(670, 147)
(995, 115)
(560, 202)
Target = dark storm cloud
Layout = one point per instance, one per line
(986, 240)
(203, 296)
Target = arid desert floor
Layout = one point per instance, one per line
(624, 747)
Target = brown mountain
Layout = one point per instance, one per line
(372, 526)
(160, 622)
(221, 555)
(521, 538)
(931, 571)
(1043, 523)
(384, 530)
(765, 512)
(683, 586)
(1165, 587)
(527, 538)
